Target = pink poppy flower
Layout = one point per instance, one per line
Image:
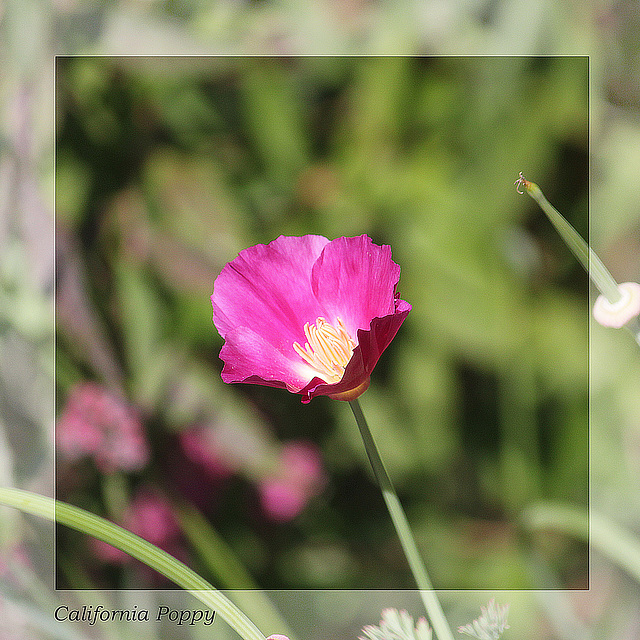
(307, 314)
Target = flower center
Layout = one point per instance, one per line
(328, 349)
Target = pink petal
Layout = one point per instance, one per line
(198, 448)
(150, 516)
(281, 500)
(355, 280)
(108, 553)
(249, 357)
(267, 288)
(302, 465)
(97, 423)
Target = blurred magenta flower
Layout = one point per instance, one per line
(98, 424)
(308, 314)
(148, 515)
(200, 449)
(108, 553)
(301, 476)
(151, 517)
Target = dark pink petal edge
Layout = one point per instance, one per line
(371, 345)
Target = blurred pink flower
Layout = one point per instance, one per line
(307, 314)
(301, 476)
(197, 446)
(96, 423)
(149, 515)
(108, 553)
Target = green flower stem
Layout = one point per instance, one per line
(600, 275)
(137, 547)
(230, 573)
(428, 595)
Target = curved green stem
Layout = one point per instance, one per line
(220, 559)
(136, 547)
(428, 595)
(587, 257)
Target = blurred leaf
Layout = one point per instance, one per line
(188, 197)
(73, 183)
(275, 119)
(144, 323)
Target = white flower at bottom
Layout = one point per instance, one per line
(397, 625)
(490, 625)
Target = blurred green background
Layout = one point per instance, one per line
(166, 168)
(496, 108)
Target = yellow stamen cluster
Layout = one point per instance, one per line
(328, 349)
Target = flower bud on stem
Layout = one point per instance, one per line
(618, 305)
(600, 275)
